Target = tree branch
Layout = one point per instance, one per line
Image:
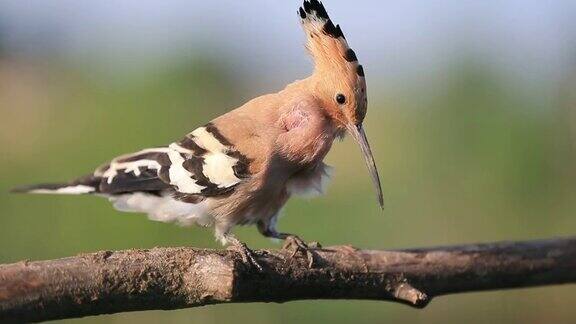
(171, 278)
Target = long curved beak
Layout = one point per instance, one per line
(357, 132)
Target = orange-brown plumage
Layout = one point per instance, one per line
(243, 166)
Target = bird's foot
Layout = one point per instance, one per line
(297, 245)
(248, 256)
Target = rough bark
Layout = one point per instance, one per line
(170, 278)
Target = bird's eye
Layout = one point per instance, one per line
(340, 98)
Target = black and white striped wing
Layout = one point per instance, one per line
(202, 164)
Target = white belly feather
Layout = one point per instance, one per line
(165, 208)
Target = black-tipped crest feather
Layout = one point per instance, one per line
(330, 29)
(317, 7)
(360, 70)
(350, 55)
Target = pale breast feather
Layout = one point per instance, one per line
(202, 164)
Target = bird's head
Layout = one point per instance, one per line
(338, 80)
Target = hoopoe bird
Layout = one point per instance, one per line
(243, 166)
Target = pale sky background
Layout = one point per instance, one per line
(532, 40)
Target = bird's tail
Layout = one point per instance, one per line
(85, 185)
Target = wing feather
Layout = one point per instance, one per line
(202, 164)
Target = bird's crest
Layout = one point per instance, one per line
(325, 41)
(332, 55)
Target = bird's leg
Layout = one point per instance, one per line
(248, 256)
(291, 242)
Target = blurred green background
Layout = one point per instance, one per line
(472, 119)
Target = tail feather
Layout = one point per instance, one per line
(84, 185)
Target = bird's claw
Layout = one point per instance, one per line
(293, 242)
(297, 245)
(248, 256)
